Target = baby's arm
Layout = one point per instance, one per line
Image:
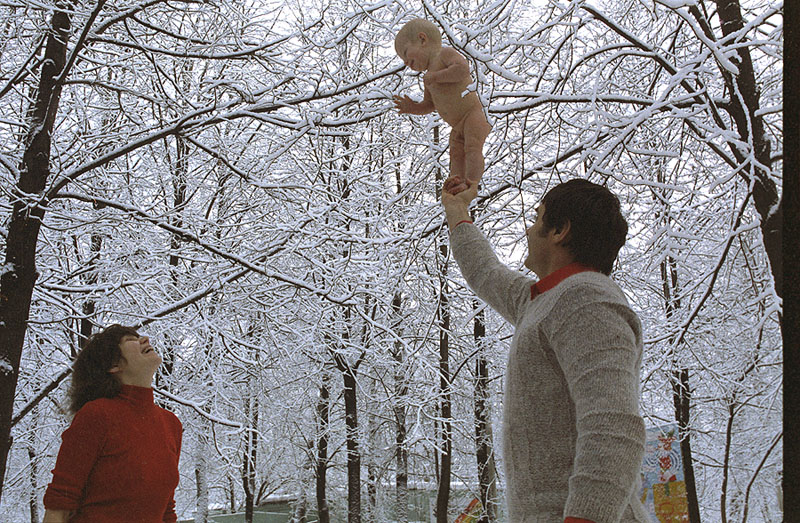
(406, 105)
(456, 68)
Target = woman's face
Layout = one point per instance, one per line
(138, 361)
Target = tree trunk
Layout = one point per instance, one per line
(250, 457)
(88, 307)
(372, 491)
(19, 274)
(443, 313)
(401, 392)
(351, 436)
(299, 512)
(484, 452)
(201, 472)
(34, 471)
(180, 169)
(231, 494)
(321, 465)
(743, 88)
(681, 393)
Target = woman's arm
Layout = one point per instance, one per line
(177, 430)
(81, 444)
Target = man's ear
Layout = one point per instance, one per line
(560, 235)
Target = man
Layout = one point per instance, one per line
(573, 438)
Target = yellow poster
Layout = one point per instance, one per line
(663, 486)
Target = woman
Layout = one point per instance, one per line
(118, 460)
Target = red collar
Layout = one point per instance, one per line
(556, 277)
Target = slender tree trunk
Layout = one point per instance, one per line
(250, 458)
(231, 494)
(723, 496)
(372, 490)
(201, 472)
(351, 437)
(401, 392)
(180, 168)
(34, 472)
(681, 396)
(681, 391)
(19, 274)
(443, 313)
(321, 465)
(484, 452)
(88, 307)
(299, 512)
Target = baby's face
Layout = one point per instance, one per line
(415, 53)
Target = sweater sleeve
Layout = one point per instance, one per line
(81, 445)
(503, 289)
(596, 345)
(177, 430)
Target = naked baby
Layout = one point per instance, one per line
(419, 45)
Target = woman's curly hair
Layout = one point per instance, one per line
(90, 376)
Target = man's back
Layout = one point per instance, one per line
(573, 370)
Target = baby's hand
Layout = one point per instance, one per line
(404, 104)
(429, 78)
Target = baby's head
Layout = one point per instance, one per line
(419, 33)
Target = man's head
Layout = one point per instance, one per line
(582, 218)
(416, 42)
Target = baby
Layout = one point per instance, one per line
(419, 44)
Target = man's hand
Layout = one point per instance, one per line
(404, 104)
(455, 184)
(456, 205)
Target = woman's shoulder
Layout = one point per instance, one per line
(96, 407)
(94, 413)
(170, 418)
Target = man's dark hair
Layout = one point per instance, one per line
(597, 228)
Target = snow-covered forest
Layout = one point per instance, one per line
(232, 178)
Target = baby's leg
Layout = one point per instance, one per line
(457, 153)
(476, 129)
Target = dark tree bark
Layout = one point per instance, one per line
(321, 462)
(484, 451)
(88, 307)
(401, 392)
(351, 437)
(299, 512)
(201, 473)
(180, 168)
(19, 277)
(231, 494)
(250, 458)
(34, 471)
(744, 94)
(443, 313)
(681, 393)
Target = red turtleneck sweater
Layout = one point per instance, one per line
(118, 461)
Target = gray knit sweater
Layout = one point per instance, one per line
(573, 438)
